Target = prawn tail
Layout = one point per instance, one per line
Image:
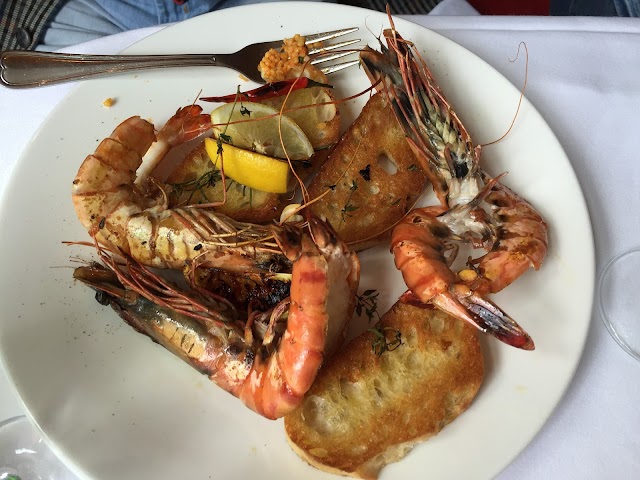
(483, 314)
(493, 320)
(187, 123)
(487, 317)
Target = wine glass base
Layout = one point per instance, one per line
(25, 456)
(619, 300)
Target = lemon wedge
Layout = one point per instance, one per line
(260, 130)
(250, 168)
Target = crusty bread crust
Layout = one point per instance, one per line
(371, 178)
(367, 410)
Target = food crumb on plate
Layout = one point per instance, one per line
(108, 103)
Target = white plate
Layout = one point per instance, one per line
(117, 406)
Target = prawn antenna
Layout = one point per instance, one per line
(524, 86)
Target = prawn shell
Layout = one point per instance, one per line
(522, 244)
(419, 255)
(99, 179)
(136, 133)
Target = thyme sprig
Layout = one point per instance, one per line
(349, 207)
(381, 343)
(223, 137)
(204, 181)
(368, 302)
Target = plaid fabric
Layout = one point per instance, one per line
(22, 22)
(398, 7)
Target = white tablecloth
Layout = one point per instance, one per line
(584, 77)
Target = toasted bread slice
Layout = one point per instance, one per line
(371, 178)
(195, 180)
(367, 409)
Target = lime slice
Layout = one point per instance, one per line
(314, 121)
(260, 134)
(250, 168)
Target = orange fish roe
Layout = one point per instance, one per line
(276, 64)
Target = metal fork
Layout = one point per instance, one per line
(22, 69)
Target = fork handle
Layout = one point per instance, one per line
(23, 69)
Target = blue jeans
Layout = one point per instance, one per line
(83, 20)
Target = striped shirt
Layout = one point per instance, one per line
(22, 22)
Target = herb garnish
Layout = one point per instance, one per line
(349, 207)
(208, 179)
(368, 302)
(381, 343)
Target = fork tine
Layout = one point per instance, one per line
(339, 66)
(327, 57)
(320, 37)
(333, 46)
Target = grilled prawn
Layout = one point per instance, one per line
(121, 206)
(475, 208)
(268, 360)
(424, 245)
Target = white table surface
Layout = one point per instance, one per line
(584, 78)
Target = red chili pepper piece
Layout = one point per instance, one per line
(270, 90)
